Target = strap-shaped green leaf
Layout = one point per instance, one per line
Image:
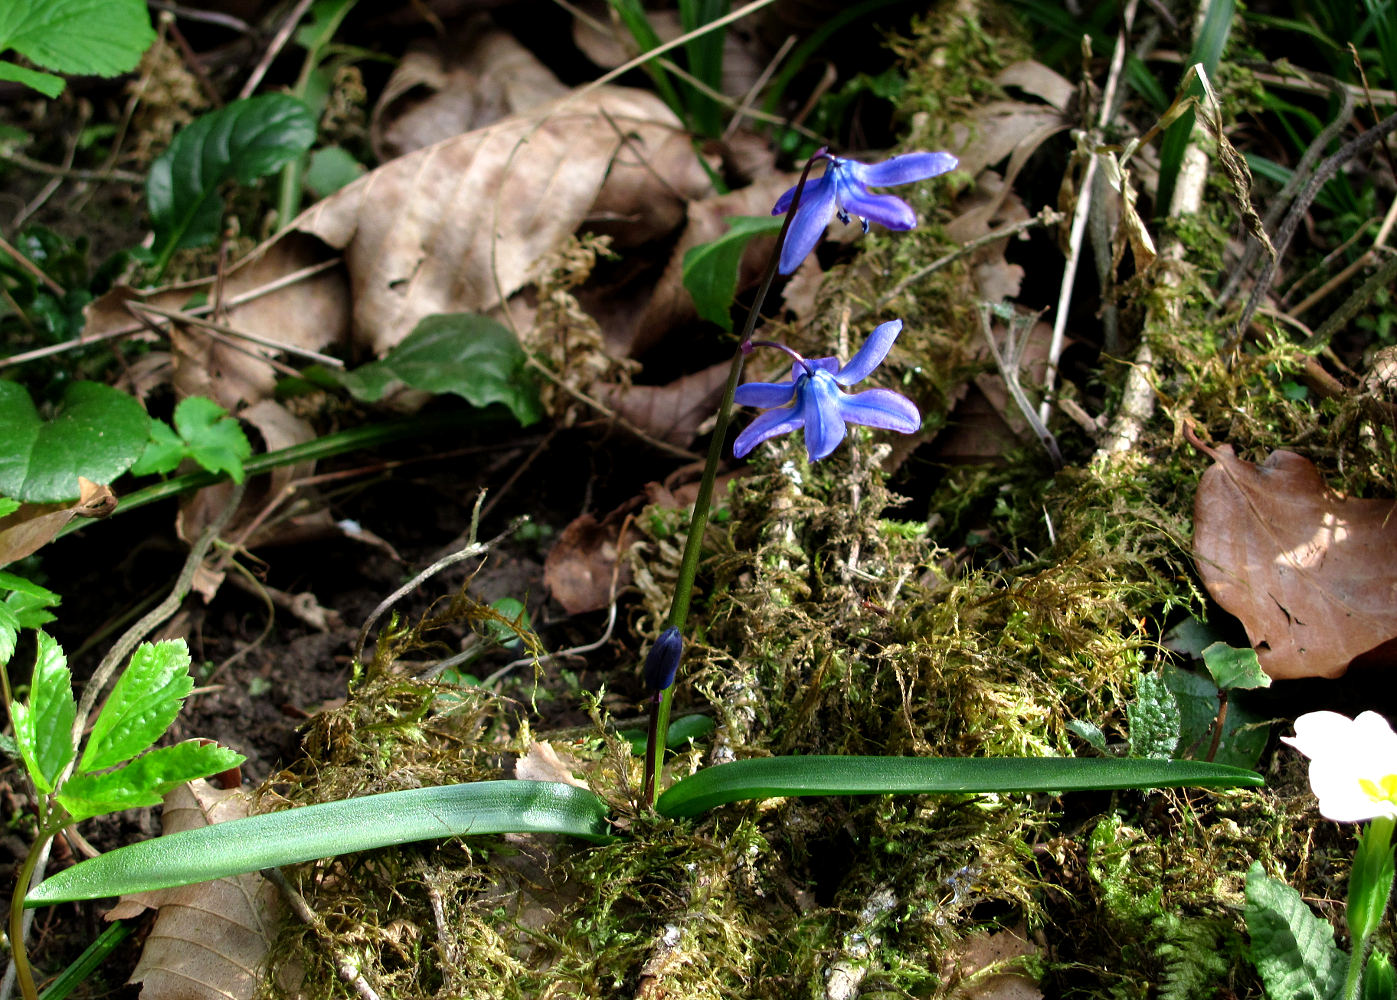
(327, 829)
(773, 777)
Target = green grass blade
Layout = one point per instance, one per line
(772, 777)
(88, 962)
(1207, 49)
(330, 828)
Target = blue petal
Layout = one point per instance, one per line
(903, 169)
(820, 401)
(871, 354)
(812, 216)
(881, 408)
(830, 365)
(767, 425)
(764, 394)
(884, 209)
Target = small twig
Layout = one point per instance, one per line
(31, 267)
(744, 107)
(123, 647)
(344, 967)
(1380, 279)
(276, 345)
(255, 293)
(1008, 362)
(72, 173)
(1045, 217)
(206, 16)
(192, 63)
(278, 42)
(46, 192)
(1326, 170)
(472, 549)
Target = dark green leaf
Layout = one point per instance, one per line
(462, 353)
(710, 269)
(1244, 733)
(97, 432)
(242, 141)
(772, 777)
(44, 725)
(1234, 668)
(1292, 948)
(214, 439)
(328, 829)
(144, 701)
(145, 780)
(101, 37)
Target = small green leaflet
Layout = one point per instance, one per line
(710, 269)
(44, 726)
(205, 433)
(1292, 948)
(471, 356)
(1234, 668)
(8, 505)
(1244, 733)
(97, 432)
(144, 701)
(242, 141)
(145, 780)
(100, 37)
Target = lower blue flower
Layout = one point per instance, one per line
(814, 399)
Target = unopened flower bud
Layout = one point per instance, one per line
(663, 661)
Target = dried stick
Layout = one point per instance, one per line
(278, 43)
(344, 967)
(276, 345)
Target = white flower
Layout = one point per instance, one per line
(1353, 764)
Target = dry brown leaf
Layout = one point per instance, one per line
(474, 78)
(459, 225)
(209, 938)
(31, 526)
(996, 958)
(543, 763)
(1311, 574)
(582, 564)
(673, 413)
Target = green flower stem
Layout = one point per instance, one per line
(698, 522)
(1370, 886)
(23, 974)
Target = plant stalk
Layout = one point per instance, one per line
(24, 975)
(698, 521)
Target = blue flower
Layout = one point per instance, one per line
(843, 191)
(813, 399)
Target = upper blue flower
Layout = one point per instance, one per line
(814, 399)
(843, 191)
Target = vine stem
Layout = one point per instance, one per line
(698, 522)
(19, 955)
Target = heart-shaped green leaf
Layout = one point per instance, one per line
(97, 432)
(472, 356)
(243, 141)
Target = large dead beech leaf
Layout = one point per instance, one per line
(673, 412)
(456, 226)
(1311, 574)
(209, 938)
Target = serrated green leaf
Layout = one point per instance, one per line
(96, 432)
(773, 777)
(45, 83)
(1153, 719)
(1292, 949)
(241, 141)
(163, 452)
(102, 37)
(28, 609)
(1234, 668)
(145, 780)
(472, 356)
(44, 724)
(710, 269)
(328, 829)
(1089, 732)
(9, 632)
(144, 701)
(11, 581)
(214, 439)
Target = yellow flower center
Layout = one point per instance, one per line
(1380, 791)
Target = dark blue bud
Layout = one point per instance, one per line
(663, 662)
